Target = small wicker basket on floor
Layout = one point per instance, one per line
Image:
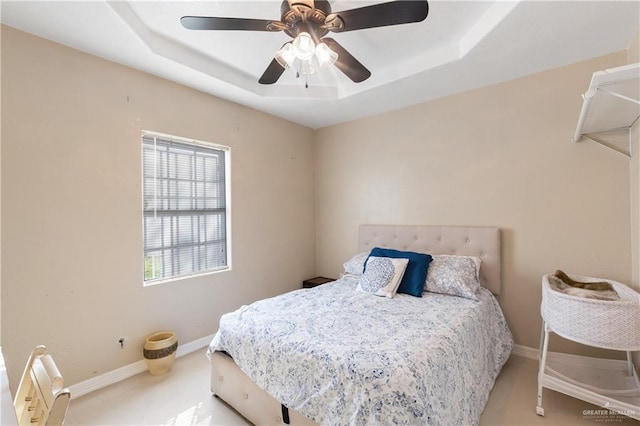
(610, 324)
(160, 351)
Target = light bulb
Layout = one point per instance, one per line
(303, 46)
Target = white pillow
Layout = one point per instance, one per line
(454, 275)
(355, 265)
(383, 276)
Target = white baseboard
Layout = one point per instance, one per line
(138, 367)
(525, 352)
(130, 370)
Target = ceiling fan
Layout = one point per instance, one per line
(307, 22)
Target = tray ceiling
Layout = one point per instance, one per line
(459, 47)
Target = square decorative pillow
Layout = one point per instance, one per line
(416, 274)
(355, 265)
(382, 276)
(454, 275)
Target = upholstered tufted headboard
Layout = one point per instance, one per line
(483, 242)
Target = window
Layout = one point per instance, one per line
(185, 192)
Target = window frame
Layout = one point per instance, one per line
(227, 184)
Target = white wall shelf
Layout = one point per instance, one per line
(612, 102)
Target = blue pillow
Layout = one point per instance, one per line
(415, 275)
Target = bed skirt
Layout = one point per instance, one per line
(231, 385)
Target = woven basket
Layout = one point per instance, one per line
(609, 324)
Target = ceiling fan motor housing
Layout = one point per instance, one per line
(299, 17)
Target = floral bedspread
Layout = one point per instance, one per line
(339, 356)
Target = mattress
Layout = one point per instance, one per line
(339, 356)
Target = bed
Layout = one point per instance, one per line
(336, 355)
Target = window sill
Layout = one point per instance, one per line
(184, 277)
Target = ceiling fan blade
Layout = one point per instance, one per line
(346, 63)
(272, 73)
(378, 15)
(238, 24)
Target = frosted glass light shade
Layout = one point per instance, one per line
(285, 56)
(303, 46)
(325, 55)
(306, 68)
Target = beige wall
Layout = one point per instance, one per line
(634, 57)
(72, 217)
(634, 48)
(0, 200)
(498, 156)
(635, 215)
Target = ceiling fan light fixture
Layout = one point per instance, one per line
(303, 46)
(299, 18)
(325, 55)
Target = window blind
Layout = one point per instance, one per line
(184, 208)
